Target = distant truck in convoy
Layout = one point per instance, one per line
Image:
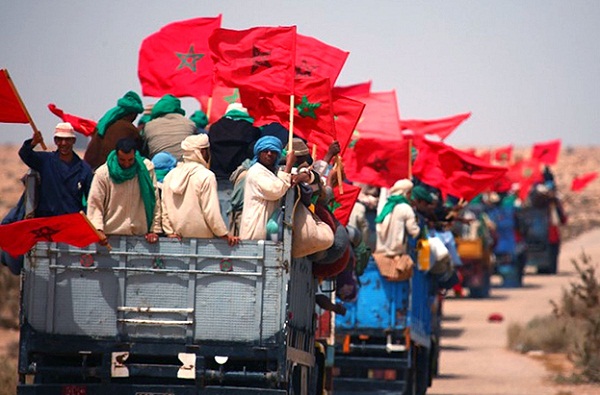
(388, 340)
(194, 316)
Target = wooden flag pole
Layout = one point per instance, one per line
(210, 99)
(35, 129)
(410, 159)
(338, 164)
(108, 246)
(291, 135)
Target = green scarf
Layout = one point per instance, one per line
(238, 115)
(168, 104)
(388, 207)
(200, 119)
(128, 104)
(119, 175)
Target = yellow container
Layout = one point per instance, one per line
(423, 254)
(469, 249)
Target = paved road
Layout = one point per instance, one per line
(474, 359)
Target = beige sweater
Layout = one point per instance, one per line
(262, 192)
(190, 203)
(391, 232)
(118, 209)
(166, 134)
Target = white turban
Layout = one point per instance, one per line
(192, 145)
(401, 187)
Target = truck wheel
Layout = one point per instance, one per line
(482, 291)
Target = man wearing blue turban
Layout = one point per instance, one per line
(265, 186)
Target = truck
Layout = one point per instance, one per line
(190, 316)
(388, 340)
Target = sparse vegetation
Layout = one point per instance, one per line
(572, 329)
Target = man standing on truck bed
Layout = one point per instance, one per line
(123, 198)
(265, 185)
(64, 182)
(190, 203)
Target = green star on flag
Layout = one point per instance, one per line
(234, 97)
(188, 59)
(306, 108)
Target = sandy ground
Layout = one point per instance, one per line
(474, 359)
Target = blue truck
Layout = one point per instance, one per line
(388, 340)
(194, 316)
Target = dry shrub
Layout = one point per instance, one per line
(572, 329)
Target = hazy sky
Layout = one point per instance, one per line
(528, 70)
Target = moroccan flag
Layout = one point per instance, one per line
(222, 96)
(343, 204)
(380, 117)
(314, 58)
(377, 162)
(81, 125)
(313, 111)
(546, 152)
(176, 59)
(353, 91)
(260, 58)
(503, 154)
(582, 181)
(525, 173)
(11, 110)
(485, 155)
(453, 171)
(440, 127)
(18, 237)
(346, 114)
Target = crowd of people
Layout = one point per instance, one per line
(167, 175)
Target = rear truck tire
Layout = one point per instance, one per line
(482, 291)
(419, 374)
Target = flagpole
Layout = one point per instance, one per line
(338, 164)
(108, 246)
(14, 89)
(410, 159)
(291, 135)
(209, 107)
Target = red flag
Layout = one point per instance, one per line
(260, 58)
(377, 162)
(453, 171)
(441, 127)
(485, 155)
(176, 59)
(317, 59)
(380, 117)
(347, 113)
(525, 173)
(582, 181)
(18, 237)
(546, 152)
(503, 154)
(11, 110)
(354, 91)
(313, 111)
(343, 204)
(81, 125)
(222, 96)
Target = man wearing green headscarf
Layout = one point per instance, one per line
(396, 220)
(167, 128)
(116, 124)
(123, 199)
